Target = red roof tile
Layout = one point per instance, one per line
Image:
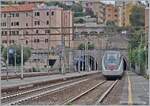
(18, 8)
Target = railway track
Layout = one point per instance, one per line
(85, 93)
(104, 95)
(23, 96)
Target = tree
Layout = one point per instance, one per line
(17, 48)
(76, 7)
(80, 21)
(137, 52)
(90, 12)
(89, 46)
(110, 23)
(137, 16)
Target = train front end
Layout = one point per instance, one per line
(112, 64)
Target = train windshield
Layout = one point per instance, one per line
(112, 58)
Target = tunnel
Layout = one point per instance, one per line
(86, 62)
(125, 64)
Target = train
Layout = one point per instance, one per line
(112, 64)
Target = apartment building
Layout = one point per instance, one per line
(111, 13)
(97, 7)
(40, 26)
(147, 16)
(124, 11)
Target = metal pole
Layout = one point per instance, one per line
(22, 56)
(62, 61)
(15, 61)
(149, 41)
(85, 55)
(8, 23)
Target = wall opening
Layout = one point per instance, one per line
(86, 63)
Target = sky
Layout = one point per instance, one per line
(113, 1)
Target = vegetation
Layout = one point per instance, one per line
(90, 13)
(137, 16)
(111, 23)
(80, 21)
(17, 48)
(89, 46)
(76, 7)
(138, 52)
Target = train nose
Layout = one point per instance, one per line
(112, 67)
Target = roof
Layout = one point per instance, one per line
(18, 8)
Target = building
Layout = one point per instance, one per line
(45, 24)
(111, 13)
(124, 11)
(147, 17)
(39, 27)
(98, 9)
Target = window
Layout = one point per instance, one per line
(109, 15)
(27, 14)
(26, 32)
(26, 41)
(12, 23)
(52, 13)
(36, 23)
(47, 31)
(47, 13)
(4, 41)
(4, 15)
(3, 24)
(3, 32)
(17, 32)
(12, 41)
(47, 22)
(46, 40)
(37, 13)
(17, 14)
(26, 24)
(10, 32)
(13, 32)
(12, 15)
(38, 40)
(37, 31)
(17, 23)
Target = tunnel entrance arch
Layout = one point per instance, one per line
(125, 63)
(86, 62)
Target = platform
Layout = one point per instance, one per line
(18, 82)
(135, 90)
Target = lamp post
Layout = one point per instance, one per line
(22, 55)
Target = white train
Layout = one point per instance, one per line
(112, 64)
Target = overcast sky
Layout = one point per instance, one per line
(113, 1)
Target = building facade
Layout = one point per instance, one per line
(111, 13)
(40, 26)
(97, 7)
(147, 17)
(124, 11)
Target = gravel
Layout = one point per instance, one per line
(93, 96)
(113, 98)
(62, 96)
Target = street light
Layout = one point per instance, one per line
(22, 54)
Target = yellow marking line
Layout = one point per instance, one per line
(130, 101)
